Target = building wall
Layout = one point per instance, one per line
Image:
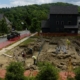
(45, 30)
(57, 22)
(78, 23)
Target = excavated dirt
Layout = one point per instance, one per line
(46, 48)
(61, 59)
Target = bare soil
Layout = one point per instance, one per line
(47, 48)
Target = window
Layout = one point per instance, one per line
(57, 29)
(69, 22)
(57, 22)
(62, 22)
(72, 31)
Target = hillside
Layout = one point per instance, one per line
(29, 16)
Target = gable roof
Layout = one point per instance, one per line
(2, 16)
(7, 21)
(64, 9)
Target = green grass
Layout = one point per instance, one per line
(23, 43)
(27, 41)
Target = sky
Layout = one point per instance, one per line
(14, 3)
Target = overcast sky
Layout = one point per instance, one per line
(13, 3)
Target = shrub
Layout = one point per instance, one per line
(15, 71)
(30, 78)
(41, 64)
(48, 72)
(1, 79)
(69, 78)
(77, 73)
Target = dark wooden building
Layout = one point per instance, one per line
(61, 19)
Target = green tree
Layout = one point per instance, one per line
(38, 26)
(77, 73)
(15, 71)
(48, 72)
(27, 14)
(3, 26)
(33, 26)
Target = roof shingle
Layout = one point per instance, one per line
(64, 10)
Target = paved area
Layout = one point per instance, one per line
(4, 37)
(8, 42)
(14, 45)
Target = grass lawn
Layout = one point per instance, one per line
(27, 41)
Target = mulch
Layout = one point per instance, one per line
(63, 75)
(28, 73)
(2, 73)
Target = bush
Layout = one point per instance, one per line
(41, 64)
(29, 78)
(15, 71)
(77, 73)
(48, 72)
(1, 79)
(69, 78)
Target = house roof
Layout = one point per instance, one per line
(64, 9)
(7, 21)
(45, 24)
(2, 16)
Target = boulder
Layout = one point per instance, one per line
(53, 55)
(64, 67)
(75, 63)
(51, 50)
(47, 40)
(59, 66)
(34, 67)
(60, 56)
(62, 63)
(66, 56)
(53, 43)
(32, 43)
(36, 48)
(73, 56)
(1, 65)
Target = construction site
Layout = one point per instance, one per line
(55, 50)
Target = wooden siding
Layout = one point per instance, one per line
(57, 22)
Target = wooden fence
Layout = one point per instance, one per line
(57, 34)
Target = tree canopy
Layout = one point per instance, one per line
(15, 71)
(31, 15)
(3, 26)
